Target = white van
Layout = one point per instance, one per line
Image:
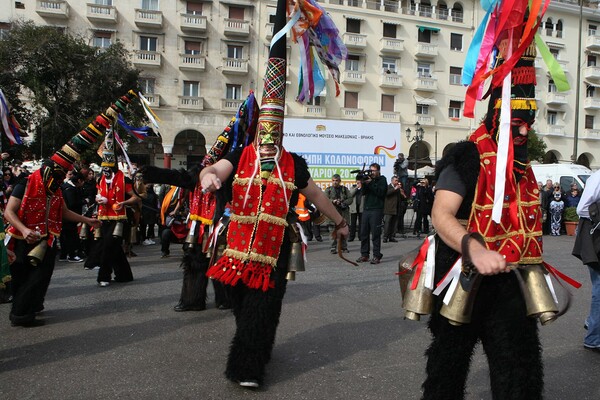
(565, 174)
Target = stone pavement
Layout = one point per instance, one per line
(341, 336)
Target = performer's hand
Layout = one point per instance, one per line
(487, 262)
(94, 223)
(117, 206)
(343, 233)
(11, 256)
(30, 236)
(210, 182)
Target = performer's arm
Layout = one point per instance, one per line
(316, 196)
(10, 213)
(74, 217)
(443, 217)
(132, 200)
(212, 177)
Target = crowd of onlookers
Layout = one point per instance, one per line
(554, 202)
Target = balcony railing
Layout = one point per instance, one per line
(426, 50)
(352, 113)
(556, 130)
(237, 66)
(269, 30)
(391, 80)
(457, 16)
(147, 58)
(153, 99)
(353, 77)
(593, 134)
(237, 27)
(192, 103)
(101, 13)
(591, 73)
(193, 23)
(426, 83)
(355, 40)
(392, 45)
(389, 116)
(554, 98)
(425, 119)
(52, 8)
(231, 105)
(192, 62)
(148, 18)
(592, 103)
(315, 111)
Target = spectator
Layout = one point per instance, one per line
(401, 169)
(402, 207)
(423, 203)
(545, 200)
(390, 210)
(374, 188)
(557, 206)
(573, 197)
(149, 215)
(355, 210)
(171, 205)
(69, 238)
(339, 196)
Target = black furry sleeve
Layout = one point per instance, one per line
(180, 178)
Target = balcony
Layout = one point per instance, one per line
(556, 99)
(355, 114)
(426, 50)
(592, 42)
(192, 62)
(592, 73)
(236, 27)
(391, 45)
(555, 130)
(315, 111)
(591, 103)
(235, 66)
(101, 13)
(269, 30)
(389, 116)
(153, 99)
(591, 134)
(426, 84)
(355, 40)
(231, 105)
(353, 77)
(148, 18)
(145, 58)
(190, 103)
(424, 119)
(52, 8)
(192, 23)
(391, 80)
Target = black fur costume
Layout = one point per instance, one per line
(499, 319)
(195, 263)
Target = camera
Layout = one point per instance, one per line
(362, 174)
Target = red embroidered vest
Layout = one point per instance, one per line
(34, 206)
(520, 243)
(115, 193)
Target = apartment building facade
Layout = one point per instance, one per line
(199, 59)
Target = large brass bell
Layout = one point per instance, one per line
(134, 231)
(538, 298)
(296, 261)
(458, 311)
(190, 239)
(118, 230)
(83, 231)
(419, 301)
(37, 254)
(97, 233)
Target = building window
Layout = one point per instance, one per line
(554, 52)
(387, 102)
(191, 88)
(422, 109)
(549, 27)
(389, 65)
(193, 8)
(4, 29)
(424, 70)
(148, 43)
(589, 122)
(551, 117)
(352, 25)
(592, 29)
(351, 100)
(236, 12)
(457, 13)
(590, 91)
(103, 2)
(316, 101)
(455, 74)
(352, 63)
(442, 11)
(551, 87)
(423, 35)
(234, 51)
(151, 5)
(559, 29)
(456, 42)
(591, 60)
(389, 30)
(193, 48)
(233, 92)
(147, 85)
(454, 109)
(102, 40)
(354, 3)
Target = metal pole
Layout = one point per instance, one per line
(577, 85)
(416, 153)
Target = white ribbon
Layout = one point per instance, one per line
(551, 287)
(304, 240)
(451, 279)
(430, 263)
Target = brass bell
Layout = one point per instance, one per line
(134, 231)
(538, 298)
(37, 254)
(419, 301)
(118, 230)
(458, 311)
(83, 231)
(97, 233)
(190, 239)
(296, 261)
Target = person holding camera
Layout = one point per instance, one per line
(374, 188)
(390, 210)
(401, 169)
(340, 197)
(423, 202)
(355, 210)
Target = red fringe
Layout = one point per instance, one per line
(253, 274)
